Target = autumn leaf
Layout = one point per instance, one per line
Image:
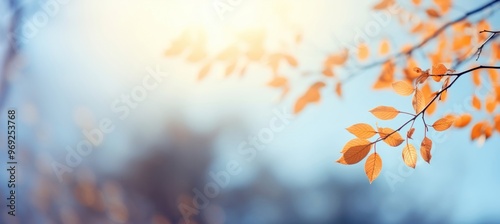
(444, 5)
(278, 81)
(390, 137)
(383, 4)
(443, 123)
(373, 166)
(476, 103)
(384, 112)
(490, 104)
(384, 47)
(425, 149)
(410, 132)
(362, 130)
(338, 89)
(433, 13)
(403, 88)
(204, 71)
(410, 155)
(230, 68)
(354, 142)
(363, 52)
(476, 77)
(497, 122)
(477, 130)
(311, 96)
(355, 154)
(463, 120)
(439, 69)
(418, 101)
(488, 130)
(461, 42)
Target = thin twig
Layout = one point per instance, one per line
(426, 40)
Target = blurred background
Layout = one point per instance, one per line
(225, 149)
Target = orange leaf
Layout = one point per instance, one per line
(493, 75)
(488, 130)
(425, 149)
(383, 4)
(497, 123)
(439, 69)
(476, 77)
(391, 137)
(444, 5)
(403, 88)
(354, 154)
(336, 59)
(362, 130)
(311, 96)
(328, 72)
(384, 47)
(204, 71)
(433, 13)
(363, 52)
(354, 142)
(418, 101)
(476, 130)
(384, 112)
(338, 89)
(373, 166)
(410, 155)
(461, 42)
(491, 103)
(463, 120)
(230, 68)
(410, 132)
(443, 123)
(476, 103)
(278, 81)
(416, 2)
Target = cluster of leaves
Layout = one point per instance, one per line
(423, 100)
(440, 43)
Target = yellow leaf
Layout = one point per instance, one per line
(355, 154)
(410, 155)
(373, 166)
(384, 47)
(363, 52)
(443, 123)
(425, 149)
(403, 88)
(362, 130)
(384, 112)
(463, 120)
(418, 101)
(390, 137)
(354, 142)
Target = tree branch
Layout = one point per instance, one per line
(426, 40)
(438, 94)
